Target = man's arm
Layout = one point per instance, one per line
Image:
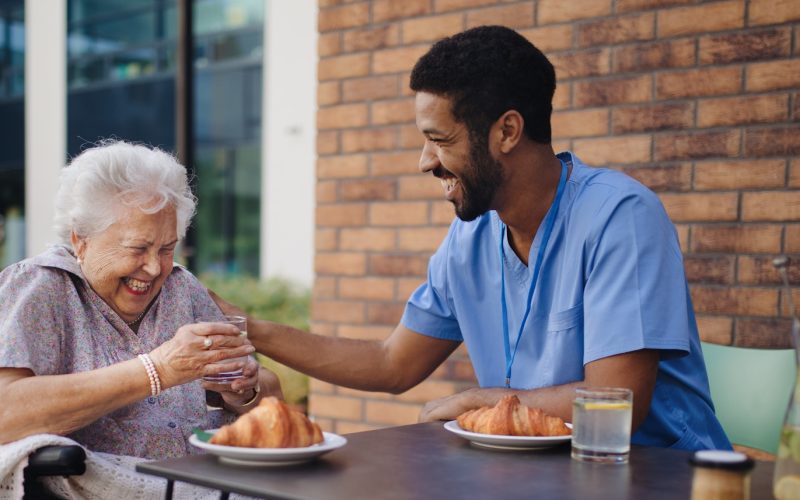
(635, 370)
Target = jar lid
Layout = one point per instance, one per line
(722, 459)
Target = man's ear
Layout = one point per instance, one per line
(78, 244)
(507, 130)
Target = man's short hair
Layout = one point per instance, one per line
(486, 71)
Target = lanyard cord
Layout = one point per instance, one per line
(548, 229)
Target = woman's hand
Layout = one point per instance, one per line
(187, 355)
(242, 391)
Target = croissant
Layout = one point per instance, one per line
(510, 418)
(271, 424)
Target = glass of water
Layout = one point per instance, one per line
(227, 377)
(601, 424)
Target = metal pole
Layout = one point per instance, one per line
(184, 108)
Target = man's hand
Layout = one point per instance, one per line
(226, 307)
(449, 407)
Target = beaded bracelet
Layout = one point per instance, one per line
(152, 374)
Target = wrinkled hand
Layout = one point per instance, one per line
(185, 357)
(240, 391)
(450, 407)
(226, 307)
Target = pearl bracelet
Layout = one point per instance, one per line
(152, 374)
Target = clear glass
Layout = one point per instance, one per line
(786, 482)
(601, 424)
(228, 377)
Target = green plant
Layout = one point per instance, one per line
(275, 300)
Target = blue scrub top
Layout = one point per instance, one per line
(612, 281)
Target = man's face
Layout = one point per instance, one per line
(470, 176)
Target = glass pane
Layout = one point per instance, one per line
(220, 15)
(82, 10)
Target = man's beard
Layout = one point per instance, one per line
(479, 182)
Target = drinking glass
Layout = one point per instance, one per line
(227, 377)
(601, 424)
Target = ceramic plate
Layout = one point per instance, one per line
(269, 456)
(507, 442)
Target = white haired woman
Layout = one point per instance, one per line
(99, 336)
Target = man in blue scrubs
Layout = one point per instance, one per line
(555, 274)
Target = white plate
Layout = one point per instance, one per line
(500, 442)
(270, 456)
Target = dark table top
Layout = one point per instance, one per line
(426, 461)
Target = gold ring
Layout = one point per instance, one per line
(207, 343)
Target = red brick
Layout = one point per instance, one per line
(428, 29)
(550, 38)
(329, 44)
(320, 387)
(371, 38)
(738, 301)
(618, 29)
(401, 163)
(764, 333)
(327, 191)
(613, 91)
(698, 82)
(343, 17)
(321, 328)
(328, 93)
(743, 110)
(396, 60)
(696, 145)
(740, 174)
(710, 270)
(717, 16)
(407, 286)
(341, 263)
(657, 55)
(581, 123)
(519, 15)
(663, 178)
(771, 206)
(411, 138)
(338, 311)
(367, 239)
(324, 288)
(652, 117)
(398, 214)
(389, 10)
(343, 427)
(694, 207)
(715, 329)
(337, 167)
(388, 413)
(397, 265)
(683, 236)
(773, 75)
(747, 46)
(370, 88)
(351, 214)
(447, 5)
(614, 150)
(345, 115)
(388, 112)
(577, 64)
(371, 139)
(368, 190)
(772, 11)
(345, 66)
(422, 239)
(335, 407)
(327, 142)
(556, 11)
(631, 5)
(792, 244)
(384, 313)
(563, 95)
(326, 239)
(365, 332)
(778, 141)
(442, 213)
(366, 288)
(419, 187)
(428, 390)
(750, 238)
(759, 270)
(794, 174)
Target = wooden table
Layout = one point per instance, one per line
(426, 461)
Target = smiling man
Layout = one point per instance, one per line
(555, 274)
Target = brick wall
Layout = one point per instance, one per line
(699, 100)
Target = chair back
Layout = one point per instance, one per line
(750, 389)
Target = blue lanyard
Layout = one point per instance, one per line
(548, 229)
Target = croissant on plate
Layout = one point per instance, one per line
(510, 418)
(271, 424)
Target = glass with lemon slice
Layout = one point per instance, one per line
(601, 424)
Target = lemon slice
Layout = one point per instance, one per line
(787, 487)
(606, 406)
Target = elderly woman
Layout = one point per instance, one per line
(99, 336)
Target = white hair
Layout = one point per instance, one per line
(101, 179)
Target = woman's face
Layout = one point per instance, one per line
(126, 264)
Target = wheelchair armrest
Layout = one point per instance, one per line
(57, 460)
